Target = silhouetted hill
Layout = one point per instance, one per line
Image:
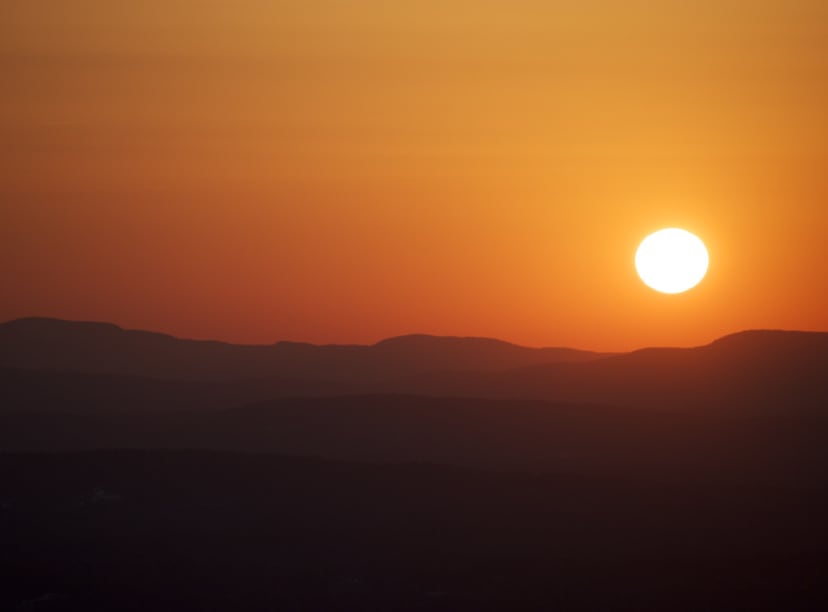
(752, 369)
(663, 479)
(750, 406)
(50, 344)
(748, 370)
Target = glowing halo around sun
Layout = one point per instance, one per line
(672, 260)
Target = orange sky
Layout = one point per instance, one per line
(337, 171)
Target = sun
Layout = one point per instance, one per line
(672, 260)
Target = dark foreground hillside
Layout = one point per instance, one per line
(726, 444)
(140, 472)
(167, 530)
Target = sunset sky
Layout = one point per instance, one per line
(344, 171)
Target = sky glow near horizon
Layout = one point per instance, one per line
(347, 171)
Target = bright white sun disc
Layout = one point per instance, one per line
(671, 260)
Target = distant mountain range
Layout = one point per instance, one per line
(102, 348)
(98, 365)
(750, 369)
(420, 473)
(751, 405)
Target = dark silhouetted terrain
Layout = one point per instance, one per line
(51, 344)
(142, 472)
(713, 444)
(212, 531)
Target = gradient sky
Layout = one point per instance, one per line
(344, 171)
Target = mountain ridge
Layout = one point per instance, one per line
(757, 368)
(392, 340)
(42, 343)
(398, 339)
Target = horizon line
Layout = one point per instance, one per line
(400, 336)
